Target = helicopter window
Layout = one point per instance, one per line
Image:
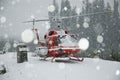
(51, 33)
(67, 40)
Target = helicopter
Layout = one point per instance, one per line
(58, 43)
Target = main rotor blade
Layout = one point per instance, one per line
(36, 20)
(89, 14)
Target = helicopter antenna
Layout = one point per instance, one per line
(33, 24)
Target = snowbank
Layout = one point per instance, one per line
(89, 69)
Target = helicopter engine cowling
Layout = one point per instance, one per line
(41, 51)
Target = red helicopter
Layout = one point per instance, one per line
(58, 43)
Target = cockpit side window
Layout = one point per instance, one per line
(51, 33)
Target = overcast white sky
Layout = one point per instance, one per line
(17, 11)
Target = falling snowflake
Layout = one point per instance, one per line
(88, 38)
(85, 25)
(51, 8)
(65, 8)
(86, 19)
(96, 60)
(6, 36)
(3, 19)
(95, 51)
(117, 72)
(98, 67)
(77, 25)
(35, 41)
(98, 29)
(10, 24)
(27, 36)
(17, 1)
(83, 44)
(78, 10)
(61, 66)
(103, 49)
(1, 8)
(103, 44)
(47, 25)
(15, 45)
(13, 2)
(119, 45)
(32, 16)
(97, 6)
(99, 39)
(102, 34)
(50, 42)
(99, 51)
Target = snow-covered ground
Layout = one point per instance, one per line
(34, 69)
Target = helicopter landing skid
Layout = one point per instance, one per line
(77, 59)
(66, 60)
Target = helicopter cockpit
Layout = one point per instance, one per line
(67, 40)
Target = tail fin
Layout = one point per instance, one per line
(37, 35)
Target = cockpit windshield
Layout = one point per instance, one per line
(67, 40)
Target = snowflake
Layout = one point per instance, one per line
(98, 28)
(15, 45)
(99, 51)
(6, 36)
(10, 24)
(119, 45)
(117, 72)
(95, 51)
(97, 6)
(99, 39)
(2, 8)
(3, 19)
(98, 67)
(83, 44)
(86, 19)
(17, 1)
(96, 60)
(119, 31)
(88, 38)
(13, 2)
(51, 8)
(61, 66)
(103, 34)
(65, 8)
(47, 25)
(82, 32)
(103, 44)
(85, 25)
(103, 49)
(35, 41)
(32, 16)
(50, 42)
(78, 10)
(91, 1)
(27, 36)
(77, 25)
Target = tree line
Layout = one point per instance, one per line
(105, 24)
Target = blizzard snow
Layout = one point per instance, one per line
(83, 44)
(3, 19)
(27, 36)
(99, 39)
(51, 8)
(34, 69)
